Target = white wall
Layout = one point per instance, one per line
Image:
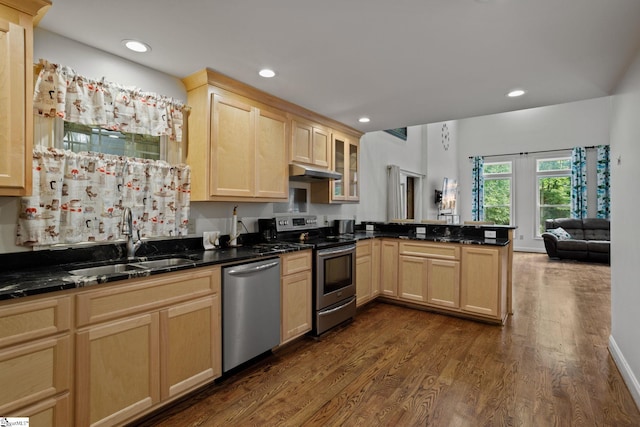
(441, 163)
(583, 123)
(377, 151)
(624, 342)
(94, 63)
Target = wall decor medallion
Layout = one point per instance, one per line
(446, 137)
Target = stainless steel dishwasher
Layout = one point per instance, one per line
(250, 311)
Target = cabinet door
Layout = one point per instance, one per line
(389, 269)
(479, 290)
(310, 143)
(190, 336)
(339, 186)
(321, 147)
(375, 267)
(233, 136)
(15, 124)
(296, 305)
(301, 142)
(353, 153)
(364, 280)
(272, 163)
(117, 370)
(412, 278)
(444, 283)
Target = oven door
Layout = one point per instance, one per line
(335, 275)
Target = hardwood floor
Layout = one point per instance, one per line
(548, 366)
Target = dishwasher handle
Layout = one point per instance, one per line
(250, 269)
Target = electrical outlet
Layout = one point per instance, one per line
(369, 227)
(490, 234)
(421, 230)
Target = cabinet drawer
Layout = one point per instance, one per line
(30, 373)
(363, 249)
(146, 294)
(296, 262)
(27, 321)
(51, 412)
(435, 250)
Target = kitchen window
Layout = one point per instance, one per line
(78, 138)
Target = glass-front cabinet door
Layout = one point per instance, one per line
(340, 166)
(346, 162)
(354, 192)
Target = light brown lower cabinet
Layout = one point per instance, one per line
(166, 343)
(364, 272)
(443, 287)
(296, 295)
(190, 344)
(36, 360)
(468, 280)
(117, 370)
(389, 268)
(52, 412)
(412, 278)
(483, 285)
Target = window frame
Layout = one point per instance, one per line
(501, 175)
(556, 173)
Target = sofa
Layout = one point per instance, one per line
(585, 239)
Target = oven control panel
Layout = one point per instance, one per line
(296, 223)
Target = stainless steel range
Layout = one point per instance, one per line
(334, 273)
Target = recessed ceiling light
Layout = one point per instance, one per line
(516, 93)
(136, 46)
(267, 73)
(364, 119)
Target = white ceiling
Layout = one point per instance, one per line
(400, 62)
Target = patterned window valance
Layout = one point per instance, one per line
(60, 92)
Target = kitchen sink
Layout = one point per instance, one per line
(162, 263)
(137, 265)
(104, 270)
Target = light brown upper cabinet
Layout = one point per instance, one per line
(242, 139)
(237, 147)
(310, 143)
(346, 161)
(16, 87)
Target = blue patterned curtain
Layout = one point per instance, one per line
(602, 170)
(579, 183)
(477, 189)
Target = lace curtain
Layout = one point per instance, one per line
(477, 189)
(80, 198)
(60, 92)
(579, 183)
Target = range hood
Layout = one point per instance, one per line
(300, 172)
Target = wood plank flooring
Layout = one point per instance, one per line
(394, 366)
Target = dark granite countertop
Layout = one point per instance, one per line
(361, 235)
(43, 277)
(32, 273)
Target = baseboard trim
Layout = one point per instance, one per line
(625, 370)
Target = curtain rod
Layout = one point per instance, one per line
(525, 153)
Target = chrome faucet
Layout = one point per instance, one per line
(127, 230)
